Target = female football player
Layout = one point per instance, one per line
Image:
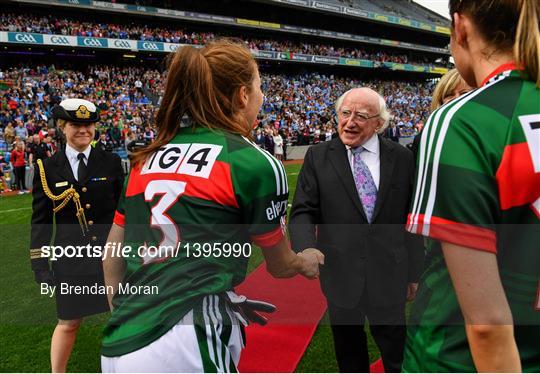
(195, 200)
(478, 196)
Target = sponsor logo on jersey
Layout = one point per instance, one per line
(189, 159)
(276, 209)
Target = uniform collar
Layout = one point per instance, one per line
(502, 68)
(72, 153)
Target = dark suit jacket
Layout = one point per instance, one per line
(380, 258)
(99, 193)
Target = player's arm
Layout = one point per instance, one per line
(282, 262)
(259, 188)
(113, 265)
(488, 319)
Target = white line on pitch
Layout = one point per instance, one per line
(14, 210)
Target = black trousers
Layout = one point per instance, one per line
(20, 176)
(387, 325)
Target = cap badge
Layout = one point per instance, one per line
(82, 112)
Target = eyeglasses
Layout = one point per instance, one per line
(357, 116)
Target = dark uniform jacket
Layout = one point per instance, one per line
(99, 193)
(379, 258)
(39, 151)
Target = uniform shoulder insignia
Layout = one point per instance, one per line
(82, 112)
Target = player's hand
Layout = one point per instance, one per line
(411, 291)
(311, 259)
(44, 276)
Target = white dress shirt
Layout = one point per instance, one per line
(371, 157)
(72, 154)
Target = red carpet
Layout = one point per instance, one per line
(280, 345)
(377, 367)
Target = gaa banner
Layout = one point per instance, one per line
(151, 46)
(25, 38)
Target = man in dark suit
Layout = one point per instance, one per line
(392, 133)
(351, 203)
(103, 144)
(75, 192)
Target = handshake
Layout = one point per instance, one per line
(310, 259)
(282, 262)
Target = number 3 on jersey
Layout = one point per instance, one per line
(171, 192)
(189, 159)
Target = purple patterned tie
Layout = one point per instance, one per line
(367, 191)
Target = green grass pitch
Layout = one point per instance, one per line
(27, 319)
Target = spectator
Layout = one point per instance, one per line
(392, 133)
(278, 145)
(21, 131)
(115, 134)
(268, 140)
(51, 144)
(103, 144)
(37, 150)
(9, 133)
(18, 164)
(5, 187)
(259, 138)
(148, 134)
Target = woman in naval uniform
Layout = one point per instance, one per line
(79, 186)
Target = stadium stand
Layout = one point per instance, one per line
(62, 26)
(299, 102)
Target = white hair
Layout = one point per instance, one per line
(384, 115)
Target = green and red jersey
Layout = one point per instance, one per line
(204, 187)
(478, 186)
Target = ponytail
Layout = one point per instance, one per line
(202, 89)
(507, 25)
(527, 44)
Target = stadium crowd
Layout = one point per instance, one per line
(297, 108)
(303, 105)
(133, 31)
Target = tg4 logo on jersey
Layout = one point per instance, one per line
(189, 159)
